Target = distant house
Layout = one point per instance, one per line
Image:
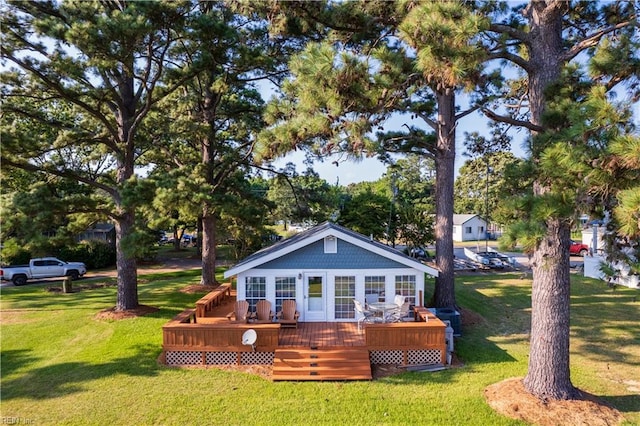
(100, 231)
(324, 269)
(468, 227)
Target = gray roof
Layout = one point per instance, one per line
(313, 234)
(461, 219)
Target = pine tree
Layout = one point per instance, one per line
(542, 38)
(98, 70)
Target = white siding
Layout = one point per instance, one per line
(271, 274)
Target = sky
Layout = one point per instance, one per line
(371, 169)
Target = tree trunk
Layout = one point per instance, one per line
(444, 294)
(548, 374)
(199, 236)
(208, 245)
(126, 266)
(177, 236)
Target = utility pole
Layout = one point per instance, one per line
(486, 205)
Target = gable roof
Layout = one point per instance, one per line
(461, 219)
(317, 233)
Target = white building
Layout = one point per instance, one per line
(468, 227)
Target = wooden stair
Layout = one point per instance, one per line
(322, 364)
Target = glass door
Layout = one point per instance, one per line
(315, 296)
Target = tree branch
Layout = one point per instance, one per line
(467, 112)
(509, 120)
(591, 41)
(521, 62)
(67, 174)
(512, 32)
(62, 92)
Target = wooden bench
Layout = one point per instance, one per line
(211, 299)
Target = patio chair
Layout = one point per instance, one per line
(399, 299)
(371, 298)
(240, 311)
(288, 316)
(364, 314)
(402, 314)
(263, 313)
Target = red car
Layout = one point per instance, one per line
(578, 249)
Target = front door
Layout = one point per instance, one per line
(315, 294)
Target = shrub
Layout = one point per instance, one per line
(94, 253)
(14, 254)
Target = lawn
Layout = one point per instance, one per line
(60, 365)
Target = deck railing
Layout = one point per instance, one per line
(220, 336)
(213, 298)
(395, 342)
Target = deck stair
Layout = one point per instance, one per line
(321, 364)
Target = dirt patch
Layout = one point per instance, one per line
(510, 399)
(197, 289)
(113, 314)
(470, 317)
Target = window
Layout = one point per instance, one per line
(285, 290)
(406, 286)
(345, 291)
(467, 230)
(374, 285)
(481, 230)
(330, 244)
(256, 289)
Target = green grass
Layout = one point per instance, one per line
(62, 366)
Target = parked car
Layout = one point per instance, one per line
(46, 267)
(495, 259)
(578, 249)
(506, 259)
(420, 254)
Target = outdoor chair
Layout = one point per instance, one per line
(263, 313)
(402, 314)
(399, 300)
(288, 316)
(240, 312)
(371, 298)
(363, 315)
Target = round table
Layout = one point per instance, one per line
(384, 307)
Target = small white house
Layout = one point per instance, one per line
(323, 269)
(468, 227)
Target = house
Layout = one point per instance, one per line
(100, 231)
(324, 268)
(468, 227)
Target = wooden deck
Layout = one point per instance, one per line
(190, 339)
(321, 335)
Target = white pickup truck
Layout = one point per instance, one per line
(46, 267)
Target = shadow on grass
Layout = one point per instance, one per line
(494, 310)
(67, 378)
(624, 403)
(605, 322)
(13, 360)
